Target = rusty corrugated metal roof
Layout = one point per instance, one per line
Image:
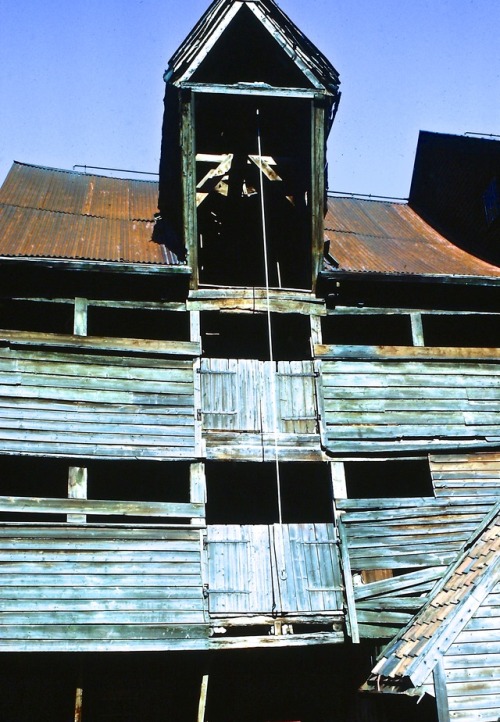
(389, 237)
(415, 651)
(49, 213)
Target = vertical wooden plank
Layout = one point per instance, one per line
(189, 182)
(80, 317)
(194, 327)
(316, 333)
(441, 691)
(417, 329)
(317, 186)
(349, 590)
(328, 566)
(197, 488)
(77, 489)
(299, 568)
(339, 486)
(78, 704)
(199, 443)
(288, 586)
(203, 698)
(320, 399)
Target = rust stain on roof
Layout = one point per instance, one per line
(385, 237)
(49, 213)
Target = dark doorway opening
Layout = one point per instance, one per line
(247, 493)
(246, 336)
(388, 479)
(244, 186)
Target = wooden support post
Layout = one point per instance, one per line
(441, 691)
(203, 698)
(316, 333)
(80, 317)
(77, 489)
(198, 418)
(195, 326)
(78, 704)
(339, 488)
(352, 617)
(317, 186)
(189, 183)
(198, 488)
(417, 329)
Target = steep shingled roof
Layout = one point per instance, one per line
(411, 657)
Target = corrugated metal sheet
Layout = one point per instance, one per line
(49, 213)
(376, 236)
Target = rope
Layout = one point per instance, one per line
(269, 329)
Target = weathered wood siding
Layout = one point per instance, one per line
(408, 398)
(92, 588)
(472, 666)
(463, 475)
(239, 411)
(65, 404)
(416, 539)
(267, 569)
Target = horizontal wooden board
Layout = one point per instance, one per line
(70, 405)
(99, 343)
(408, 399)
(64, 585)
(94, 506)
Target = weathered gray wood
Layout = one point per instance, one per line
(96, 407)
(77, 489)
(287, 640)
(407, 352)
(349, 589)
(24, 504)
(261, 569)
(187, 140)
(203, 698)
(417, 329)
(88, 594)
(80, 317)
(238, 396)
(99, 343)
(440, 685)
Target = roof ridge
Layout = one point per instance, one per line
(82, 173)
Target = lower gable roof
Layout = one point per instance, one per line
(409, 659)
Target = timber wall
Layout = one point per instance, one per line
(472, 666)
(91, 588)
(74, 405)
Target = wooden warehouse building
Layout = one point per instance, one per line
(249, 431)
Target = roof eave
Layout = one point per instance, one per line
(70, 264)
(400, 277)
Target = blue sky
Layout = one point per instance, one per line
(81, 80)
